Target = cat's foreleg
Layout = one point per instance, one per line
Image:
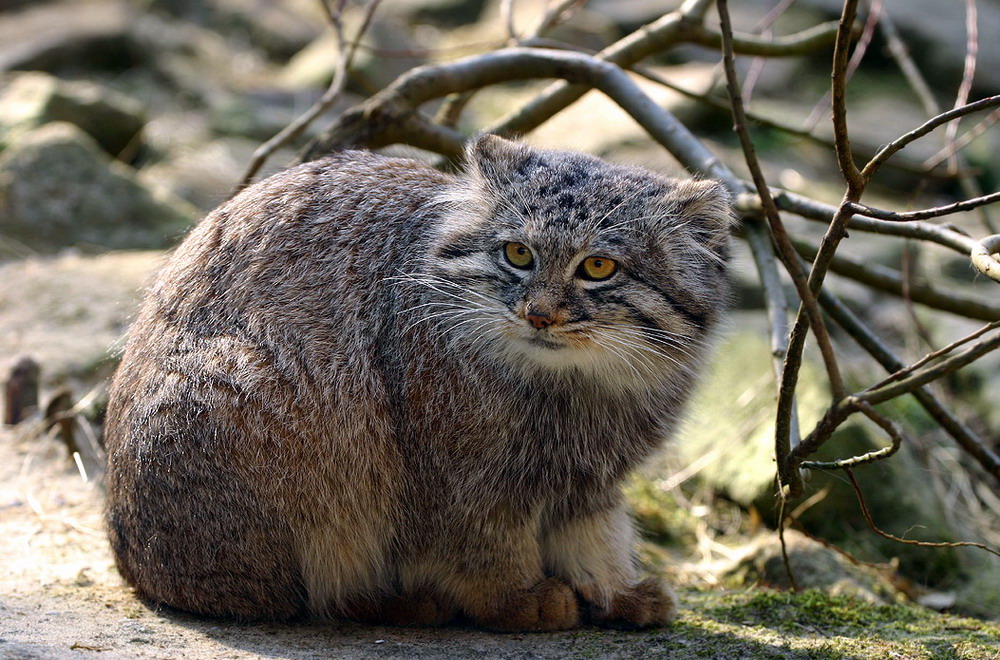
(595, 554)
(491, 572)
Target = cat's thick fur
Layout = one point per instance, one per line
(340, 397)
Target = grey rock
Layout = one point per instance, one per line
(29, 100)
(58, 189)
(277, 28)
(66, 36)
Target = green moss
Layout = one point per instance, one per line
(771, 624)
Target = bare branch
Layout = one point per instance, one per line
(801, 43)
(762, 250)
(983, 259)
(556, 14)
(788, 257)
(956, 113)
(927, 544)
(868, 340)
(893, 430)
(892, 281)
(964, 141)
(330, 96)
(947, 236)
(968, 72)
(935, 212)
(852, 66)
(682, 25)
(839, 99)
(900, 53)
(923, 376)
(386, 117)
(935, 355)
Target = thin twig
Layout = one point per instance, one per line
(956, 113)
(950, 237)
(792, 582)
(927, 544)
(965, 140)
(867, 32)
(838, 97)
(834, 234)
(680, 26)
(708, 98)
(894, 432)
(789, 478)
(936, 212)
(891, 281)
(325, 102)
(556, 14)
(968, 73)
(900, 53)
(933, 355)
(923, 376)
(870, 342)
(762, 251)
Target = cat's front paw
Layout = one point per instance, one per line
(549, 605)
(644, 605)
(412, 610)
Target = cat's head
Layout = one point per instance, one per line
(561, 261)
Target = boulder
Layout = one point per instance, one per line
(29, 100)
(67, 36)
(730, 435)
(59, 189)
(276, 28)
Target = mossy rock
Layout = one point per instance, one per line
(59, 189)
(31, 100)
(731, 428)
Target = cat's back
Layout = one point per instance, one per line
(293, 271)
(333, 222)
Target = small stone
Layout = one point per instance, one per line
(21, 391)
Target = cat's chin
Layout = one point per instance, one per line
(558, 356)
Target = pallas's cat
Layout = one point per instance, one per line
(367, 389)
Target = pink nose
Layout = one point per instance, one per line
(539, 320)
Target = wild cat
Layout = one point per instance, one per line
(364, 388)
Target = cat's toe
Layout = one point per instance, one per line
(644, 605)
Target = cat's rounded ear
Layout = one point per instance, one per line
(498, 160)
(705, 207)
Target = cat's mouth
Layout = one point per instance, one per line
(546, 341)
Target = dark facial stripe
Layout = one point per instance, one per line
(458, 250)
(695, 317)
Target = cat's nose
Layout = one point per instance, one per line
(539, 319)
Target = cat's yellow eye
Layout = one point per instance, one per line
(519, 255)
(598, 268)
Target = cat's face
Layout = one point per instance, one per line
(563, 262)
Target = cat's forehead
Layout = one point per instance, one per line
(553, 192)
